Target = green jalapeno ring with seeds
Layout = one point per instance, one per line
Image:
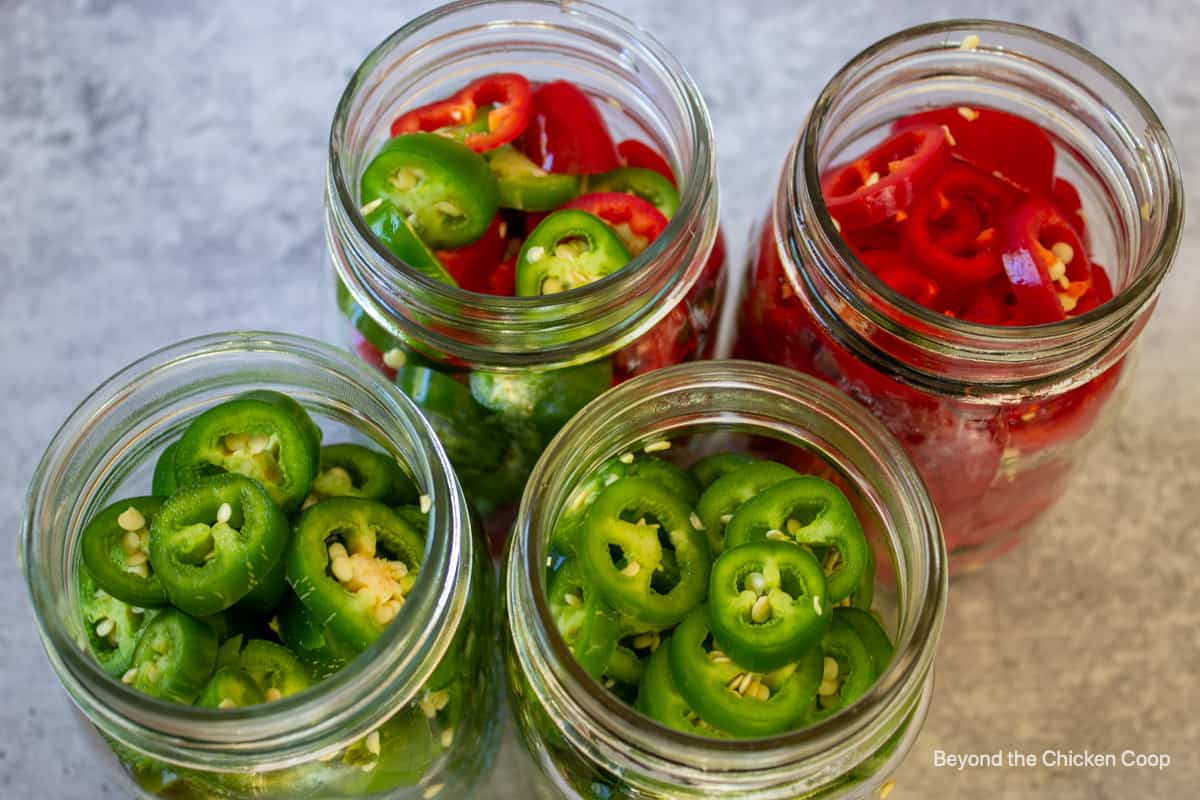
(352, 470)
(174, 658)
(230, 687)
(115, 548)
(112, 626)
(621, 551)
(727, 493)
(848, 670)
(659, 698)
(644, 183)
(214, 541)
(588, 625)
(276, 670)
(810, 511)
(567, 250)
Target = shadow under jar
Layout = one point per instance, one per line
(659, 309)
(582, 739)
(997, 419)
(427, 687)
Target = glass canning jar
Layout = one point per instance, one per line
(585, 742)
(429, 685)
(996, 418)
(659, 309)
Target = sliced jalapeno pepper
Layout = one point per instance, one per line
(872, 634)
(767, 604)
(394, 228)
(312, 642)
(406, 750)
(115, 548)
(268, 591)
(808, 511)
(111, 625)
(588, 624)
(847, 670)
(644, 183)
(621, 549)
(214, 541)
(708, 469)
(727, 493)
(352, 562)
(525, 186)
(443, 189)
(266, 436)
(174, 658)
(274, 668)
(351, 470)
(624, 667)
(732, 697)
(659, 698)
(545, 398)
(568, 249)
(230, 687)
(658, 470)
(163, 482)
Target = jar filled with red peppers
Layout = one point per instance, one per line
(521, 213)
(968, 237)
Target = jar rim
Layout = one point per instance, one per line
(683, 383)
(990, 344)
(661, 273)
(297, 727)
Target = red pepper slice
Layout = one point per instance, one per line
(893, 269)
(1101, 291)
(566, 133)
(1066, 200)
(994, 141)
(887, 179)
(946, 240)
(509, 92)
(503, 280)
(636, 221)
(991, 303)
(472, 266)
(1046, 286)
(638, 154)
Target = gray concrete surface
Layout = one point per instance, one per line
(160, 176)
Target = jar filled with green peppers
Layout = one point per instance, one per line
(726, 580)
(521, 211)
(256, 575)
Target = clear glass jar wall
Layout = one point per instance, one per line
(428, 687)
(582, 740)
(997, 419)
(660, 309)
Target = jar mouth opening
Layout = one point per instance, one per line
(681, 389)
(925, 328)
(286, 730)
(635, 290)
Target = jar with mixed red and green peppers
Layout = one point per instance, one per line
(969, 237)
(726, 580)
(521, 214)
(256, 576)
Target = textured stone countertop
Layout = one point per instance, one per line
(161, 171)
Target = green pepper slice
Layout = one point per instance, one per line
(230, 687)
(115, 548)
(662, 472)
(264, 435)
(718, 465)
(352, 562)
(644, 183)
(767, 604)
(214, 541)
(274, 668)
(316, 647)
(624, 667)
(732, 697)
(394, 229)
(163, 483)
(352, 470)
(568, 249)
(524, 185)
(111, 625)
(267, 592)
(808, 511)
(727, 493)
(547, 399)
(174, 658)
(659, 698)
(847, 670)
(588, 624)
(400, 755)
(441, 188)
(629, 527)
(872, 634)
(459, 422)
